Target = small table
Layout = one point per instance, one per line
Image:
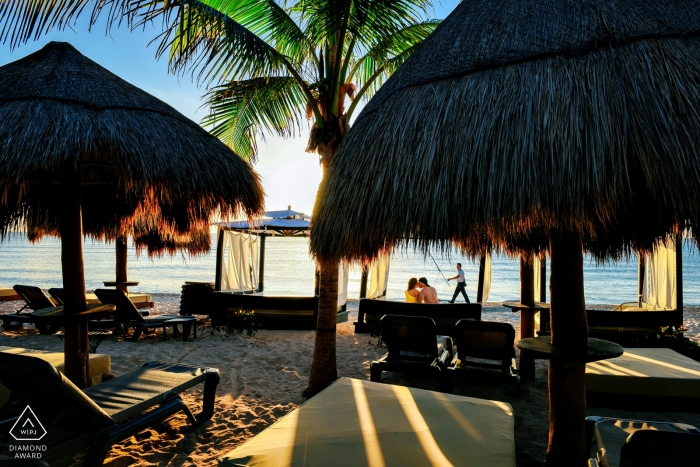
(527, 329)
(597, 349)
(125, 283)
(188, 322)
(95, 338)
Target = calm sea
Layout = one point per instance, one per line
(289, 271)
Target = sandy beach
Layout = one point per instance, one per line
(263, 379)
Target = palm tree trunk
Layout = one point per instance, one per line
(323, 366)
(122, 256)
(567, 378)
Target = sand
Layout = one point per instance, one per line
(263, 379)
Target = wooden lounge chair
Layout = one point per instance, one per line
(34, 299)
(485, 340)
(98, 417)
(413, 347)
(627, 443)
(128, 316)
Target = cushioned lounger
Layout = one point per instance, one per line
(98, 417)
(8, 295)
(645, 372)
(610, 437)
(360, 423)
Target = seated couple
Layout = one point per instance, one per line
(419, 291)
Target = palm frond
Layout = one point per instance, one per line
(241, 110)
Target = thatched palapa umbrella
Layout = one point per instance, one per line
(83, 151)
(532, 125)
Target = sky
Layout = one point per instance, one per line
(290, 175)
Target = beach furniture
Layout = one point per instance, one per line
(128, 316)
(270, 312)
(487, 345)
(445, 315)
(100, 365)
(360, 423)
(34, 299)
(413, 346)
(627, 443)
(139, 300)
(645, 377)
(98, 417)
(7, 295)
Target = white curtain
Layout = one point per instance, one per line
(487, 277)
(378, 277)
(239, 268)
(537, 282)
(343, 274)
(659, 287)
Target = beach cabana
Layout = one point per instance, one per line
(240, 269)
(533, 126)
(83, 152)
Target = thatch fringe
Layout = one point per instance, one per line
(459, 148)
(143, 166)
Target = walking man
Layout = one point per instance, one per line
(461, 283)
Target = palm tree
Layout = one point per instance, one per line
(270, 65)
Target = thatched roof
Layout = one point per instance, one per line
(517, 117)
(142, 164)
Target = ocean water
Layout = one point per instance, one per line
(289, 270)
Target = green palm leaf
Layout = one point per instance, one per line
(244, 109)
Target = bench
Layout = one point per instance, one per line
(275, 312)
(621, 326)
(445, 315)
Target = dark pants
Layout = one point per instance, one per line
(460, 288)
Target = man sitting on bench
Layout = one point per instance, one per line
(427, 293)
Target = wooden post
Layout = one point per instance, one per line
(122, 263)
(527, 316)
(261, 271)
(71, 226)
(567, 378)
(679, 273)
(363, 282)
(480, 280)
(219, 260)
(543, 280)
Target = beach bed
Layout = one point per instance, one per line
(7, 295)
(643, 376)
(360, 423)
(100, 365)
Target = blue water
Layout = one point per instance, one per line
(289, 271)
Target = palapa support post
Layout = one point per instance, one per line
(480, 280)
(567, 377)
(323, 368)
(363, 282)
(261, 271)
(122, 253)
(527, 315)
(641, 278)
(71, 225)
(543, 282)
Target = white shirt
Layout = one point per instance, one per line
(461, 275)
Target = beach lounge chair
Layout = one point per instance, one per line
(627, 443)
(413, 346)
(128, 316)
(34, 299)
(98, 417)
(478, 342)
(139, 300)
(360, 423)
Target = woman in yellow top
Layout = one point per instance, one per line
(412, 292)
